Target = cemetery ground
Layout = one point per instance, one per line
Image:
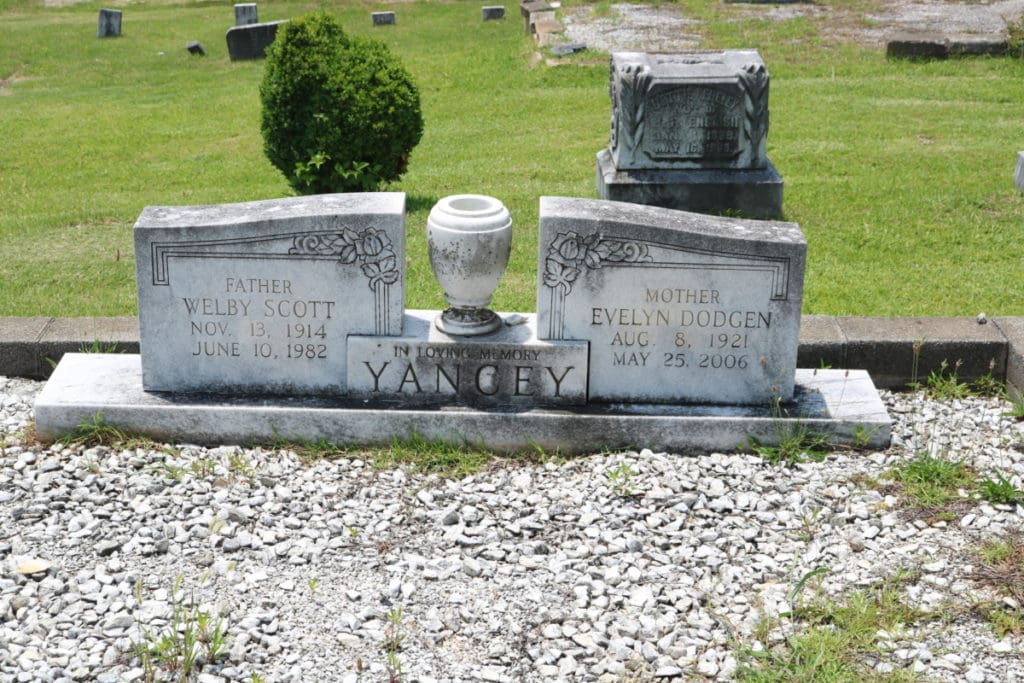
(127, 559)
(898, 172)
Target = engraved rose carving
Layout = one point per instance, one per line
(569, 254)
(371, 248)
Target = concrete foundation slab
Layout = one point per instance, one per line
(755, 193)
(842, 404)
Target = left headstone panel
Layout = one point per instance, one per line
(109, 23)
(260, 297)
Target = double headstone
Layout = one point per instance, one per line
(109, 23)
(286, 318)
(689, 132)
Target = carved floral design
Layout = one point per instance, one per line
(754, 79)
(370, 248)
(570, 253)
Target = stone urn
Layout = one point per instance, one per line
(469, 237)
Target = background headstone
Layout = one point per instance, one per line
(261, 296)
(246, 13)
(689, 131)
(676, 306)
(383, 18)
(195, 48)
(493, 12)
(109, 23)
(251, 41)
(1018, 173)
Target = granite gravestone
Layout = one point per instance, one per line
(252, 40)
(261, 296)
(383, 18)
(1018, 172)
(650, 321)
(109, 25)
(677, 307)
(246, 13)
(493, 12)
(689, 132)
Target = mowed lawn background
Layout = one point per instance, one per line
(899, 173)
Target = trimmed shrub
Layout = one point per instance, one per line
(340, 114)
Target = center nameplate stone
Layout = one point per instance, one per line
(261, 296)
(676, 306)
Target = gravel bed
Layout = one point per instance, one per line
(524, 572)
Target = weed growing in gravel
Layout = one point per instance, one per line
(796, 443)
(946, 384)
(436, 457)
(96, 432)
(1016, 407)
(1000, 491)
(394, 636)
(1002, 568)
(191, 638)
(620, 479)
(933, 484)
(834, 638)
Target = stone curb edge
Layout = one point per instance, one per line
(894, 351)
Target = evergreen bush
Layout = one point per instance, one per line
(340, 113)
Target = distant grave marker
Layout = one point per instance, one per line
(1018, 173)
(196, 48)
(689, 132)
(383, 18)
(246, 13)
(493, 12)
(252, 40)
(109, 23)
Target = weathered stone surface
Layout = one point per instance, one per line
(842, 404)
(917, 46)
(260, 296)
(425, 366)
(1013, 329)
(493, 12)
(19, 341)
(900, 348)
(1018, 172)
(383, 18)
(246, 13)
(677, 307)
(695, 110)
(822, 343)
(526, 9)
(564, 49)
(252, 40)
(109, 23)
(755, 193)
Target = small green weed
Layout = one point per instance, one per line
(944, 383)
(98, 346)
(191, 638)
(95, 432)
(1015, 37)
(1002, 568)
(833, 637)
(1016, 410)
(1000, 491)
(436, 457)
(795, 444)
(394, 636)
(620, 479)
(933, 484)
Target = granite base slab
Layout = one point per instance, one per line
(755, 193)
(841, 404)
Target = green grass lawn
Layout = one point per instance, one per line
(900, 174)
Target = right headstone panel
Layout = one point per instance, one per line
(677, 307)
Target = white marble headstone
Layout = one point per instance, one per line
(677, 307)
(261, 296)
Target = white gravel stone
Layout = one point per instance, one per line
(518, 573)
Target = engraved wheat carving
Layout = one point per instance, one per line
(754, 79)
(634, 80)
